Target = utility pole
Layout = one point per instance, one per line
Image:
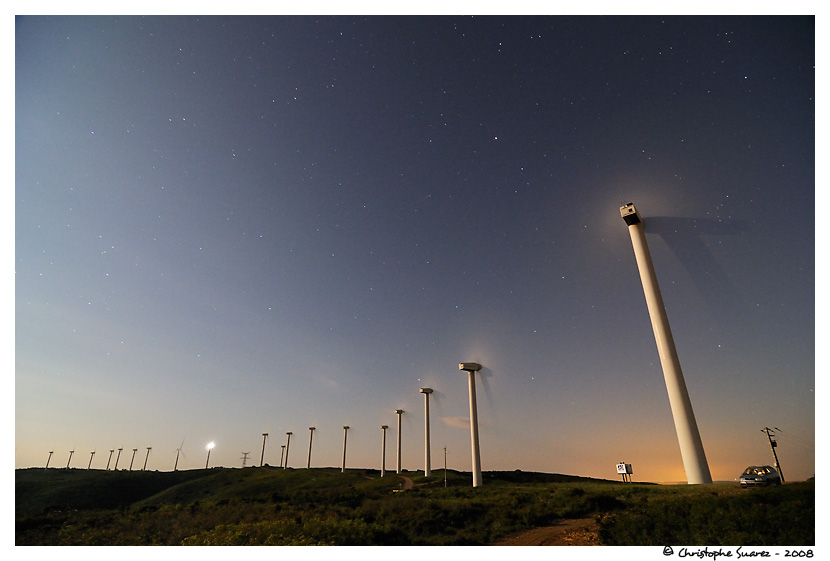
(773, 445)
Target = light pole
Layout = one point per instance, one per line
(345, 436)
(427, 469)
(287, 444)
(471, 368)
(399, 412)
(688, 436)
(209, 447)
(262, 456)
(383, 450)
(310, 437)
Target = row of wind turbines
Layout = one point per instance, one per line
(117, 458)
(470, 367)
(694, 459)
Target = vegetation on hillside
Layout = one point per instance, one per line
(269, 506)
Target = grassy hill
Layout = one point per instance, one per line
(271, 506)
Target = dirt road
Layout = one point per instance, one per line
(582, 531)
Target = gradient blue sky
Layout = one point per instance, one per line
(226, 226)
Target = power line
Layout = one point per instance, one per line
(793, 439)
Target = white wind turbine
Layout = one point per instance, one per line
(179, 451)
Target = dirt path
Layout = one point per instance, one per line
(407, 482)
(582, 531)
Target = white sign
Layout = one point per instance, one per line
(624, 468)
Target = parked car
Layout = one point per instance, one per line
(760, 475)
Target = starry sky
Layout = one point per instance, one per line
(226, 226)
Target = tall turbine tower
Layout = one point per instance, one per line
(133, 458)
(91, 455)
(287, 444)
(691, 446)
(471, 368)
(282, 453)
(426, 392)
(109, 460)
(382, 450)
(147, 457)
(262, 456)
(310, 438)
(345, 436)
(70, 458)
(118, 457)
(49, 459)
(399, 413)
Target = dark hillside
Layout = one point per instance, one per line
(39, 490)
(322, 506)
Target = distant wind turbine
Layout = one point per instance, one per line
(133, 458)
(399, 412)
(471, 368)
(89, 465)
(426, 392)
(117, 458)
(345, 436)
(310, 438)
(146, 458)
(49, 459)
(383, 450)
(70, 458)
(209, 447)
(262, 456)
(109, 460)
(178, 451)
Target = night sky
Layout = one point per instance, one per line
(226, 226)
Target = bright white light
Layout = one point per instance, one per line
(210, 445)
